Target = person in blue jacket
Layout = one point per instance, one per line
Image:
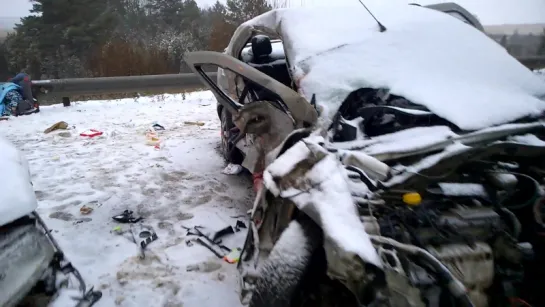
(23, 80)
(10, 97)
(16, 96)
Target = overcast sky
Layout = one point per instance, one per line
(490, 12)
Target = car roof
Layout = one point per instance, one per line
(430, 58)
(450, 8)
(457, 11)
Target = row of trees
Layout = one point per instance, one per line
(83, 38)
(523, 45)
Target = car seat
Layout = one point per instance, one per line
(263, 60)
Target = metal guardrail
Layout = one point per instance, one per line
(110, 85)
(64, 88)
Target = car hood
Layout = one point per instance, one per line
(426, 56)
(17, 197)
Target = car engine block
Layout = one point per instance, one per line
(466, 240)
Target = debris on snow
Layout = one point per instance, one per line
(59, 125)
(181, 182)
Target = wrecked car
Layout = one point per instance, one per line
(33, 269)
(402, 161)
(267, 55)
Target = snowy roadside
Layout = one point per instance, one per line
(178, 185)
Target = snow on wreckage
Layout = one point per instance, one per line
(426, 56)
(413, 121)
(32, 264)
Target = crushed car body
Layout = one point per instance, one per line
(33, 268)
(410, 175)
(484, 85)
(425, 56)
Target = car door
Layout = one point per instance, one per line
(301, 110)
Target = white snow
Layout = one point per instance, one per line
(427, 162)
(401, 141)
(528, 139)
(179, 184)
(324, 184)
(427, 56)
(462, 189)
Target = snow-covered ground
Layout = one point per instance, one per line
(177, 185)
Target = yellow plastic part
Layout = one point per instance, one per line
(412, 199)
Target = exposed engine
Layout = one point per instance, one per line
(452, 218)
(478, 245)
(479, 214)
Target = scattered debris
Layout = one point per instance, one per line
(194, 123)
(91, 133)
(240, 224)
(156, 127)
(148, 236)
(126, 217)
(85, 210)
(233, 256)
(216, 249)
(64, 134)
(90, 298)
(221, 233)
(117, 230)
(57, 126)
(82, 220)
(153, 139)
(232, 169)
(4, 118)
(212, 240)
(143, 235)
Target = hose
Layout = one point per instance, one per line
(455, 287)
(517, 227)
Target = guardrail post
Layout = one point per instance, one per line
(66, 101)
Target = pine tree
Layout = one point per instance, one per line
(222, 30)
(239, 11)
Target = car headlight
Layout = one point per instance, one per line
(25, 254)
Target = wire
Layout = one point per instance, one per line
(425, 176)
(516, 302)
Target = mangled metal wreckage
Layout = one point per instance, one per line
(34, 270)
(414, 177)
